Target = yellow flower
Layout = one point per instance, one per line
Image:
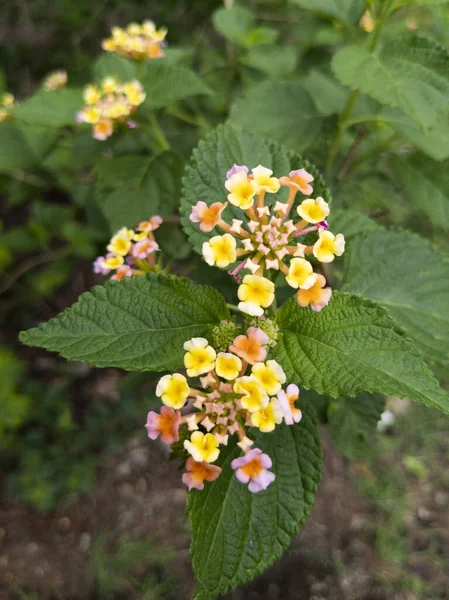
(4, 115)
(121, 242)
(108, 45)
(228, 365)
(134, 29)
(270, 375)
(7, 100)
(313, 211)
(367, 22)
(90, 114)
(202, 447)
(220, 250)
(300, 274)
(242, 190)
(267, 418)
(55, 80)
(109, 85)
(134, 92)
(328, 246)
(199, 358)
(173, 390)
(254, 397)
(116, 109)
(262, 176)
(114, 262)
(103, 129)
(255, 293)
(91, 94)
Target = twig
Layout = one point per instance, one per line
(361, 134)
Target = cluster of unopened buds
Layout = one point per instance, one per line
(55, 81)
(131, 252)
(109, 104)
(239, 389)
(139, 42)
(268, 240)
(7, 101)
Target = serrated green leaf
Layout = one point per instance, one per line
(236, 534)
(52, 109)
(134, 188)
(233, 23)
(165, 84)
(110, 64)
(350, 222)
(205, 175)
(411, 73)
(346, 11)
(352, 420)
(426, 183)
(14, 150)
(282, 111)
(404, 273)
(353, 346)
(138, 324)
(272, 60)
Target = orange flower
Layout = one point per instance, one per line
(198, 473)
(316, 296)
(250, 347)
(166, 424)
(207, 216)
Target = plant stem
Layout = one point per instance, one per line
(380, 147)
(343, 122)
(233, 307)
(158, 133)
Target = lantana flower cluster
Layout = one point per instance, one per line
(55, 81)
(137, 41)
(240, 388)
(130, 251)
(110, 104)
(7, 101)
(270, 237)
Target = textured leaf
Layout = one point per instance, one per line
(272, 60)
(138, 324)
(346, 11)
(53, 109)
(14, 150)
(411, 73)
(165, 84)
(353, 346)
(350, 222)
(134, 188)
(236, 534)
(111, 64)
(206, 173)
(233, 23)
(426, 182)
(282, 111)
(352, 420)
(404, 273)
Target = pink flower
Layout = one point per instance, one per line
(165, 424)
(236, 169)
(144, 248)
(198, 473)
(253, 468)
(302, 179)
(250, 347)
(99, 266)
(123, 271)
(150, 225)
(287, 404)
(207, 216)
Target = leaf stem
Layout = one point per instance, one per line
(158, 133)
(233, 307)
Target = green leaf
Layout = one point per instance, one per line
(53, 109)
(353, 346)
(272, 60)
(14, 151)
(111, 64)
(233, 23)
(134, 188)
(404, 273)
(205, 175)
(352, 420)
(282, 111)
(420, 2)
(346, 11)
(426, 183)
(166, 84)
(350, 222)
(411, 73)
(138, 324)
(237, 534)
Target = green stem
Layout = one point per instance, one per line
(380, 147)
(158, 134)
(233, 307)
(343, 122)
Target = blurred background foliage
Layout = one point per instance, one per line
(266, 65)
